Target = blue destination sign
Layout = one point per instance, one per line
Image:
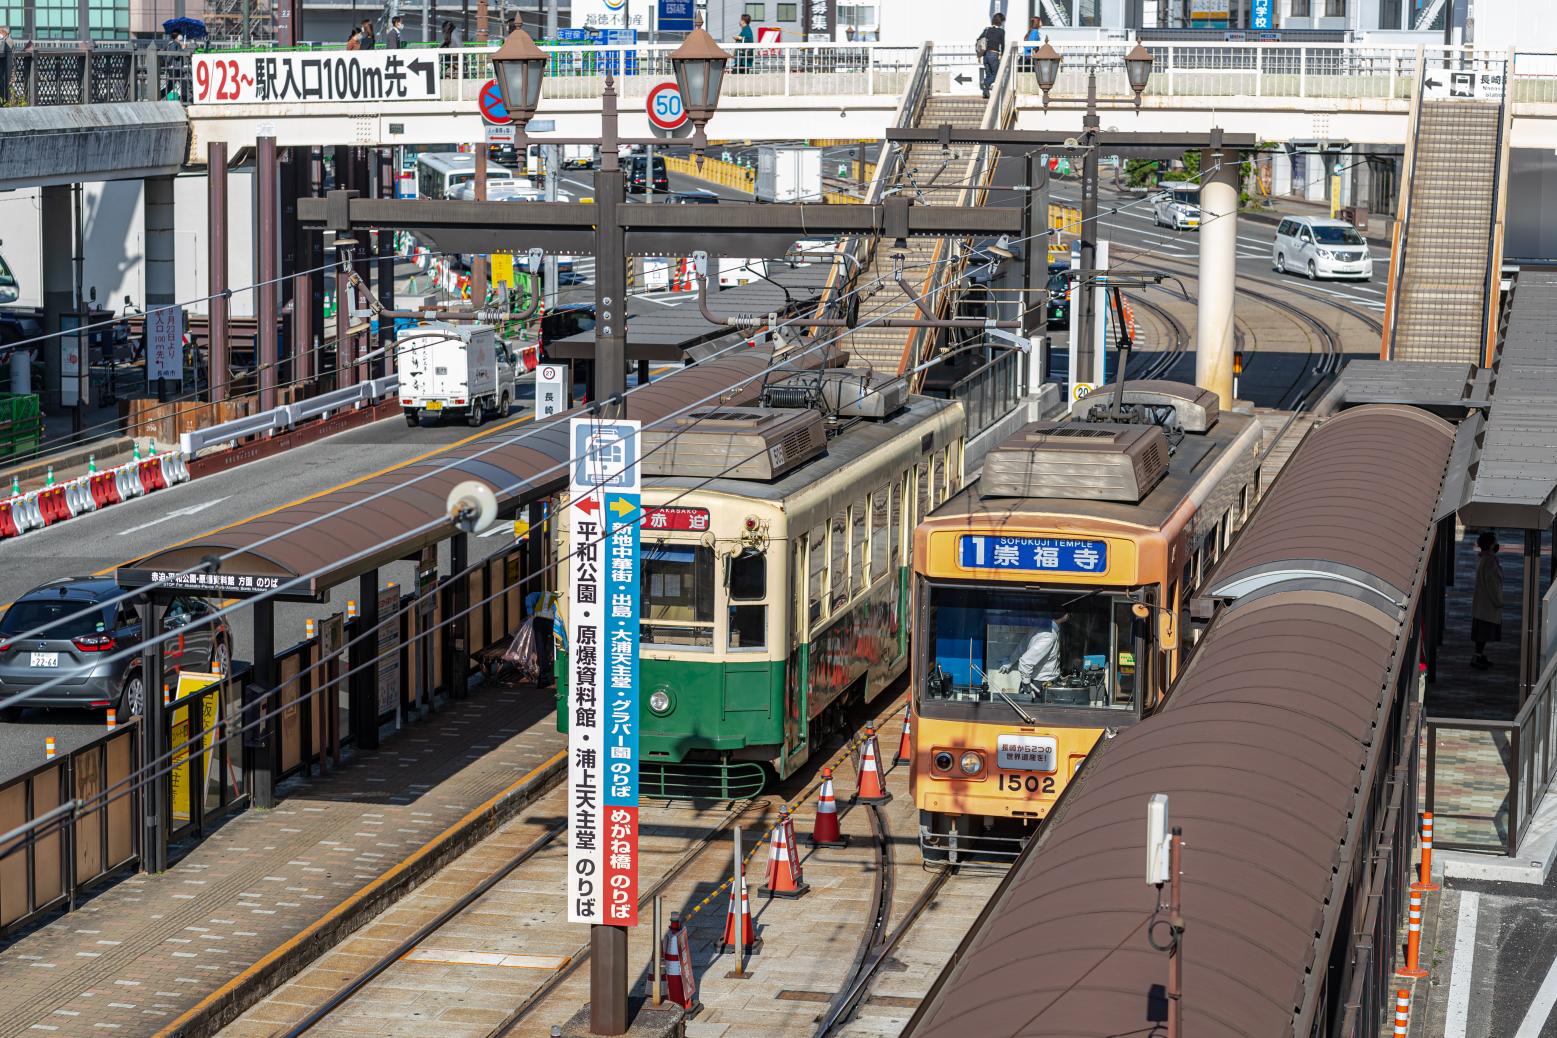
(1032, 554)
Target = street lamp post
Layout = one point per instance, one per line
(521, 66)
(1046, 69)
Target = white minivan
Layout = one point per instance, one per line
(1177, 205)
(1321, 248)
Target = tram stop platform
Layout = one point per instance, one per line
(186, 944)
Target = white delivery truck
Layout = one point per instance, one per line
(789, 174)
(448, 367)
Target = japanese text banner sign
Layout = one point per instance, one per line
(316, 76)
(603, 595)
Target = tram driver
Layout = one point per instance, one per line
(1037, 661)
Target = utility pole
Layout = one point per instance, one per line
(1083, 348)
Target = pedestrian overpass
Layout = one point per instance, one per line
(1282, 92)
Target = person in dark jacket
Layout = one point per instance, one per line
(994, 39)
(448, 35)
(392, 38)
(367, 34)
(1486, 599)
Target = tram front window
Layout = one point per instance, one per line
(678, 595)
(1049, 648)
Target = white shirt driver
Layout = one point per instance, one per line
(1040, 658)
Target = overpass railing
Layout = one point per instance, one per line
(50, 74)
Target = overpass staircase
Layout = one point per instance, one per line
(928, 175)
(1444, 274)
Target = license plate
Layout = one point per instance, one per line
(435, 405)
(1025, 752)
(45, 659)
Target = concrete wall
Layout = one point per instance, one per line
(113, 229)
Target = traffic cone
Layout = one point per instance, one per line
(676, 953)
(92, 464)
(1413, 966)
(16, 486)
(113, 719)
(749, 939)
(48, 479)
(905, 752)
(785, 878)
(48, 747)
(873, 789)
(825, 833)
(1402, 1013)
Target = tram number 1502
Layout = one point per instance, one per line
(1030, 783)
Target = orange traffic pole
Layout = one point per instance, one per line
(1424, 880)
(1402, 1012)
(1413, 966)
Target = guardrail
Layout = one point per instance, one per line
(991, 391)
(48, 74)
(286, 416)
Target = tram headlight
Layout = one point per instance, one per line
(659, 701)
(943, 761)
(972, 763)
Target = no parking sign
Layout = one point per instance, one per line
(493, 110)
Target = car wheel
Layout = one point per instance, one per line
(1313, 271)
(411, 419)
(132, 698)
(475, 414)
(221, 658)
(503, 408)
(1281, 263)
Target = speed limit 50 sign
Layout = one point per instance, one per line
(667, 115)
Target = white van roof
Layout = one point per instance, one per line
(1318, 221)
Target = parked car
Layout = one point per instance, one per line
(694, 197)
(1321, 247)
(1177, 206)
(87, 650)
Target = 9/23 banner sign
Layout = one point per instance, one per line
(315, 76)
(603, 596)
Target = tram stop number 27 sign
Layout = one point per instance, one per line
(602, 645)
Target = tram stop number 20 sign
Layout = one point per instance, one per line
(602, 644)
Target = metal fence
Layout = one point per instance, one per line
(66, 824)
(991, 391)
(1482, 811)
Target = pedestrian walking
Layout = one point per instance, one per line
(392, 38)
(1487, 599)
(368, 39)
(354, 41)
(743, 59)
(990, 45)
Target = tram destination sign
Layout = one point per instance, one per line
(310, 77)
(1032, 554)
(603, 593)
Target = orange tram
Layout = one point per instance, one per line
(1050, 599)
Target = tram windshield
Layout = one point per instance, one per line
(678, 595)
(1065, 648)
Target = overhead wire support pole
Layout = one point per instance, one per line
(1086, 364)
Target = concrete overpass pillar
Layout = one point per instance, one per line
(59, 293)
(1218, 254)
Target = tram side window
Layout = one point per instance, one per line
(748, 583)
(895, 526)
(678, 600)
(857, 571)
(922, 508)
(816, 550)
(838, 560)
(938, 482)
(878, 534)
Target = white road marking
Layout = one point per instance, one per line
(1458, 1013)
(177, 513)
(1540, 1006)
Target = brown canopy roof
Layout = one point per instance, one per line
(385, 512)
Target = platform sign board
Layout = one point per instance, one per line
(310, 77)
(603, 601)
(551, 389)
(165, 344)
(388, 648)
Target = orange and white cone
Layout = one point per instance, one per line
(1402, 1013)
(749, 939)
(1424, 881)
(873, 788)
(905, 745)
(825, 833)
(113, 719)
(784, 876)
(676, 953)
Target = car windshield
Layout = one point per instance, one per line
(56, 616)
(1338, 236)
(1054, 648)
(1186, 197)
